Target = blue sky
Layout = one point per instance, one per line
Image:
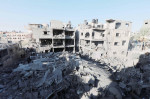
(15, 14)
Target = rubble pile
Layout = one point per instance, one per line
(65, 75)
(56, 75)
(135, 81)
(128, 82)
(87, 82)
(39, 79)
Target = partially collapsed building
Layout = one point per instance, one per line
(66, 75)
(98, 40)
(57, 37)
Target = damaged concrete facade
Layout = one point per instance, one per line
(57, 37)
(119, 37)
(104, 40)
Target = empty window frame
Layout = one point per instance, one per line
(92, 34)
(45, 33)
(123, 42)
(69, 33)
(103, 35)
(58, 42)
(87, 35)
(117, 34)
(87, 43)
(117, 25)
(127, 24)
(98, 26)
(116, 43)
(45, 42)
(40, 26)
(69, 42)
(57, 32)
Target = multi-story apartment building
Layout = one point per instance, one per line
(118, 34)
(92, 38)
(54, 38)
(98, 40)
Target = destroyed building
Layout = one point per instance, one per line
(9, 54)
(65, 75)
(98, 40)
(56, 37)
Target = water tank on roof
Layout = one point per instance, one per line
(96, 21)
(93, 21)
(85, 22)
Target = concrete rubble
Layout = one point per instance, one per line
(65, 75)
(50, 75)
(134, 82)
(90, 80)
(38, 79)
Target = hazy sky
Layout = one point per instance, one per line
(15, 14)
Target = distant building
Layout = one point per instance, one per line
(54, 38)
(14, 37)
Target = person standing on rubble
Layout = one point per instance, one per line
(28, 59)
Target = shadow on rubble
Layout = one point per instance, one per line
(128, 83)
(132, 82)
(77, 88)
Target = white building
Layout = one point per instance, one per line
(104, 40)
